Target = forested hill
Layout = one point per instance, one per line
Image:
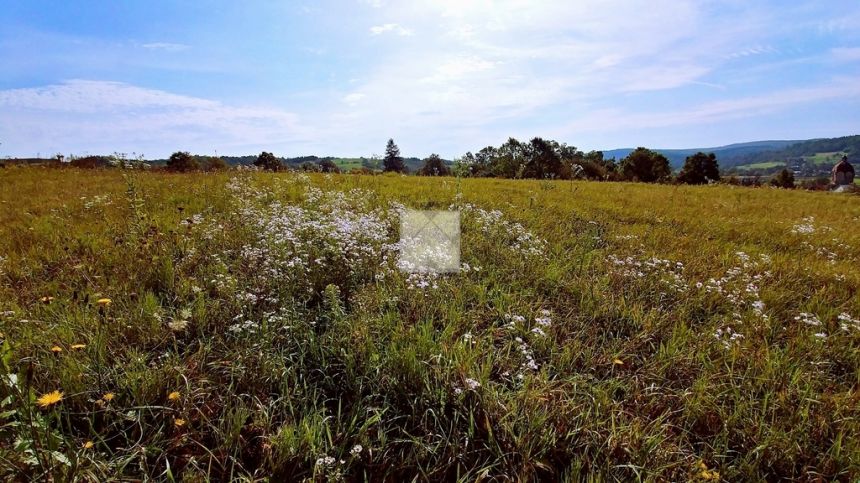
(849, 145)
(728, 155)
(758, 151)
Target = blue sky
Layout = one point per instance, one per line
(444, 76)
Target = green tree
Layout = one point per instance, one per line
(328, 166)
(646, 166)
(183, 162)
(392, 160)
(434, 166)
(785, 179)
(700, 168)
(214, 163)
(268, 161)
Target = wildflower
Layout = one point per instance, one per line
(47, 299)
(178, 325)
(538, 331)
(174, 396)
(56, 349)
(179, 422)
(104, 302)
(108, 397)
(78, 346)
(88, 445)
(49, 399)
(325, 461)
(473, 384)
(356, 450)
(707, 474)
(618, 362)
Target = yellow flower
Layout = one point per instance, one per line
(47, 299)
(108, 397)
(78, 346)
(174, 396)
(88, 445)
(56, 349)
(49, 399)
(103, 302)
(179, 422)
(618, 362)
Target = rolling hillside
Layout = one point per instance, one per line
(730, 154)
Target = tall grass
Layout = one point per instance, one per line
(258, 326)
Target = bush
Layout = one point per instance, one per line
(785, 179)
(183, 162)
(434, 166)
(268, 161)
(645, 166)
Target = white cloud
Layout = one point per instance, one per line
(738, 108)
(353, 98)
(100, 116)
(391, 27)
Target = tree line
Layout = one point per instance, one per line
(536, 159)
(548, 159)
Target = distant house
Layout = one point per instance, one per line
(843, 173)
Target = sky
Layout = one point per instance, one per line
(439, 76)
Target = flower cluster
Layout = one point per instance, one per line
(846, 322)
(96, 201)
(513, 323)
(333, 238)
(740, 286)
(728, 337)
(513, 234)
(808, 319)
(805, 227)
(669, 273)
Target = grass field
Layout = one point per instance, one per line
(765, 165)
(828, 159)
(234, 326)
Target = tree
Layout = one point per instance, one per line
(785, 179)
(183, 162)
(646, 166)
(268, 161)
(214, 163)
(543, 160)
(700, 168)
(434, 166)
(328, 166)
(392, 160)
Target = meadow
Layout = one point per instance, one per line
(243, 326)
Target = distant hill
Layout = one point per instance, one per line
(729, 155)
(761, 154)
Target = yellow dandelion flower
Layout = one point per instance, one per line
(103, 302)
(618, 362)
(88, 445)
(179, 422)
(174, 396)
(109, 396)
(49, 399)
(56, 349)
(47, 299)
(78, 346)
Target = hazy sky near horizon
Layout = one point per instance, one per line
(446, 76)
